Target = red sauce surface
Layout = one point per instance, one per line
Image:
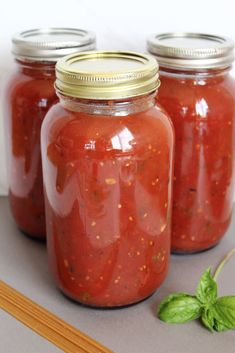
(108, 203)
(29, 95)
(202, 112)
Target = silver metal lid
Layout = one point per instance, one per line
(50, 44)
(191, 50)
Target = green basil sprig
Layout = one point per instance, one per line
(217, 314)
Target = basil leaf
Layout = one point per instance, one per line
(179, 308)
(212, 320)
(220, 327)
(207, 288)
(225, 312)
(208, 319)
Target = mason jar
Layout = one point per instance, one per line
(107, 153)
(198, 92)
(28, 96)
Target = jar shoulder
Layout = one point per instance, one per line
(104, 132)
(22, 85)
(178, 86)
(214, 97)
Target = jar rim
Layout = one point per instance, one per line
(50, 44)
(188, 50)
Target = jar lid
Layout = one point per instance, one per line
(191, 50)
(106, 75)
(50, 44)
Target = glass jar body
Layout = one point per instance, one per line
(202, 108)
(28, 96)
(107, 178)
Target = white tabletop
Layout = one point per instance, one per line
(23, 265)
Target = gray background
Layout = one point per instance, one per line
(136, 329)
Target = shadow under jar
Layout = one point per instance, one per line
(107, 163)
(198, 93)
(29, 94)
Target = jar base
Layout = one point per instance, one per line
(32, 227)
(98, 307)
(191, 252)
(39, 238)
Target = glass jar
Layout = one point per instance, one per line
(29, 94)
(198, 93)
(107, 165)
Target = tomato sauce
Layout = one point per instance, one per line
(202, 109)
(30, 93)
(108, 203)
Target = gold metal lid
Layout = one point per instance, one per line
(191, 50)
(50, 44)
(106, 75)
